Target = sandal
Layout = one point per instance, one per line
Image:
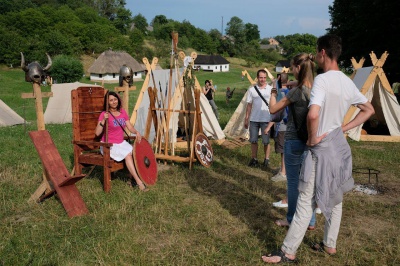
(311, 228)
(282, 223)
(281, 254)
(144, 188)
(320, 247)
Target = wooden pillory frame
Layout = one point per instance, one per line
(56, 178)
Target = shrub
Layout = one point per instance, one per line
(66, 69)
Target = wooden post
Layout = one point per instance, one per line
(125, 89)
(38, 95)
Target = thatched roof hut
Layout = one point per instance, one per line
(107, 66)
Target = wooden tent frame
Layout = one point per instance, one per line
(254, 81)
(377, 72)
(165, 151)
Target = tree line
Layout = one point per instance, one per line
(76, 27)
(72, 28)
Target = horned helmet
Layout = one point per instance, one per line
(33, 71)
(125, 73)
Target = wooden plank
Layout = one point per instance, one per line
(31, 95)
(71, 180)
(58, 173)
(380, 138)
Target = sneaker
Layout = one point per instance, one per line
(266, 162)
(276, 171)
(279, 177)
(318, 211)
(280, 204)
(253, 162)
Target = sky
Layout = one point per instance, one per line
(284, 17)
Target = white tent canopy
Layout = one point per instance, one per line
(58, 109)
(375, 88)
(235, 127)
(8, 117)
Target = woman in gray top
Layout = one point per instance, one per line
(297, 99)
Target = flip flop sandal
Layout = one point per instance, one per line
(281, 254)
(320, 247)
(282, 223)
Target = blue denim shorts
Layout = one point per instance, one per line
(255, 130)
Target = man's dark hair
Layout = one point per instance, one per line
(332, 44)
(261, 71)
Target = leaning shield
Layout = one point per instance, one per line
(145, 161)
(203, 150)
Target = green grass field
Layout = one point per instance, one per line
(220, 215)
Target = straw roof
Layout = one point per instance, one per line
(111, 62)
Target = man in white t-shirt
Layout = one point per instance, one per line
(327, 169)
(258, 117)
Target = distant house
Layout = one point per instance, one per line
(273, 44)
(214, 63)
(281, 63)
(107, 66)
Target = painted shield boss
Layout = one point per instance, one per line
(145, 162)
(203, 150)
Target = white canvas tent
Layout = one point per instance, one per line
(8, 117)
(211, 127)
(235, 126)
(58, 110)
(372, 82)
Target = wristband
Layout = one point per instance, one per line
(101, 124)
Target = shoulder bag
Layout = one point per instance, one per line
(278, 116)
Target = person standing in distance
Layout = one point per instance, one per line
(208, 91)
(258, 117)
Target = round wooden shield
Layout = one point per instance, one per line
(145, 161)
(203, 150)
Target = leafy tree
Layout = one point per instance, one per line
(365, 26)
(123, 20)
(264, 41)
(163, 32)
(66, 69)
(297, 43)
(236, 29)
(57, 43)
(226, 47)
(159, 20)
(87, 15)
(252, 32)
(140, 22)
(202, 42)
(108, 8)
(14, 6)
(137, 39)
(186, 29)
(11, 44)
